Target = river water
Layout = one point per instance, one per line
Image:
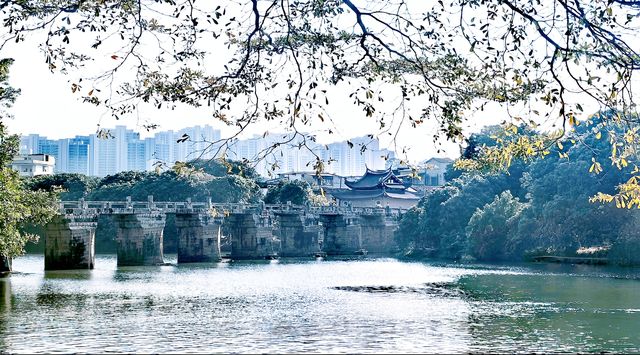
(370, 305)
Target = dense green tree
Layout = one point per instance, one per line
(473, 214)
(166, 186)
(125, 178)
(559, 192)
(410, 234)
(625, 250)
(71, 186)
(490, 230)
(416, 234)
(221, 167)
(233, 188)
(297, 192)
(18, 205)
(172, 186)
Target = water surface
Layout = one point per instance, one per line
(379, 305)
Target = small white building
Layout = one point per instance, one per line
(433, 171)
(33, 164)
(325, 180)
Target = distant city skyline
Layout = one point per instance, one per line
(124, 149)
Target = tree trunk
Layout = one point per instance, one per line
(5, 264)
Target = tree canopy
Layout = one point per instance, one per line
(295, 192)
(224, 167)
(166, 186)
(70, 186)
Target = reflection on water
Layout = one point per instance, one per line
(5, 308)
(5, 294)
(562, 312)
(310, 306)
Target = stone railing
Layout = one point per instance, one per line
(82, 207)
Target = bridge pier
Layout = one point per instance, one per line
(139, 238)
(295, 238)
(377, 233)
(243, 230)
(70, 243)
(198, 236)
(341, 237)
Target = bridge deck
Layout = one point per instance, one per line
(82, 207)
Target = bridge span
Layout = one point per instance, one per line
(253, 229)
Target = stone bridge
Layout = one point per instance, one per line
(256, 231)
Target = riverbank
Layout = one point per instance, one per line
(571, 260)
(529, 260)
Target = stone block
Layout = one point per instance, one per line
(139, 238)
(340, 235)
(377, 234)
(242, 228)
(70, 243)
(5, 264)
(296, 239)
(198, 236)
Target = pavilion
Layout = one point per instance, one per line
(377, 188)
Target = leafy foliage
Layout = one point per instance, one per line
(18, 205)
(171, 186)
(224, 167)
(233, 188)
(489, 228)
(8, 94)
(539, 207)
(166, 186)
(70, 186)
(297, 192)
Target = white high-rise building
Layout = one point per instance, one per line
(339, 158)
(200, 144)
(104, 156)
(78, 155)
(136, 152)
(163, 147)
(29, 144)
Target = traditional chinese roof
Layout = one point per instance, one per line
(376, 179)
(374, 184)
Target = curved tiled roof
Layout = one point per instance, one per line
(373, 179)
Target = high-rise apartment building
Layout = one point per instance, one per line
(163, 148)
(103, 156)
(29, 144)
(77, 155)
(136, 153)
(201, 144)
